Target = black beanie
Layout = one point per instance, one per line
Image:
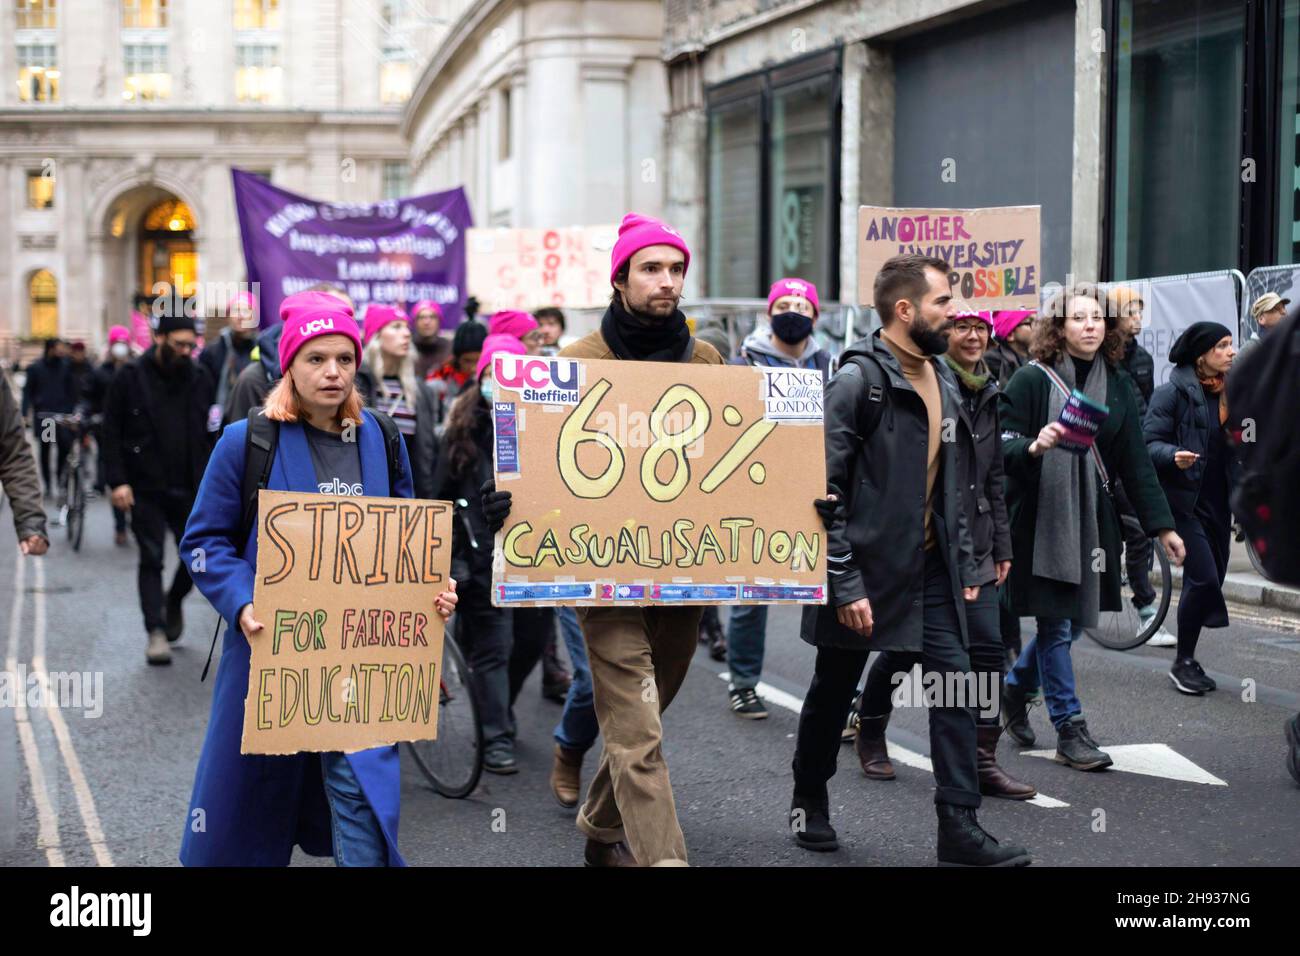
(469, 337)
(1197, 339)
(173, 323)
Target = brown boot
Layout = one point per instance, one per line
(870, 745)
(607, 854)
(566, 776)
(994, 781)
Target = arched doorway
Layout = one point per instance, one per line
(167, 254)
(43, 305)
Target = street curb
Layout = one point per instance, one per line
(1244, 588)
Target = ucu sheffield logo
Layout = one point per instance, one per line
(545, 381)
(337, 487)
(314, 326)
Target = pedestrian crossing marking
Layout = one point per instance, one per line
(1151, 760)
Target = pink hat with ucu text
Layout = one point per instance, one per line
(307, 315)
(793, 287)
(638, 232)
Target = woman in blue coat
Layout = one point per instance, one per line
(1184, 431)
(250, 810)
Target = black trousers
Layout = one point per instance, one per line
(58, 448)
(152, 516)
(534, 626)
(1207, 537)
(485, 634)
(1137, 551)
(987, 659)
(952, 729)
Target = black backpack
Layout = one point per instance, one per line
(260, 442)
(876, 392)
(1263, 395)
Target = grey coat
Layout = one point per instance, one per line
(877, 551)
(983, 482)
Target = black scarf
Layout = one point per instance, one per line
(631, 335)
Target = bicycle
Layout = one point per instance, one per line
(73, 511)
(1119, 630)
(453, 761)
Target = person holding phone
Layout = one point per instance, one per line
(1185, 433)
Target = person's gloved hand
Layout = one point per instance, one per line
(828, 509)
(496, 505)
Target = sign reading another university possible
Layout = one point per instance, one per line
(993, 253)
(647, 483)
(394, 252)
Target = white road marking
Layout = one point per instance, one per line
(1151, 760)
(80, 786)
(47, 820)
(897, 752)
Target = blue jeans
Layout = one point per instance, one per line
(358, 839)
(577, 729)
(1045, 662)
(746, 641)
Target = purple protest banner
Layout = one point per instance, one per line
(396, 251)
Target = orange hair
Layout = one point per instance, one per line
(283, 405)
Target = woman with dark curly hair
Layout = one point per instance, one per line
(1065, 530)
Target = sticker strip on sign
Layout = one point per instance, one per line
(509, 593)
(694, 592)
(759, 592)
(507, 433)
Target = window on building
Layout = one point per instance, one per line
(396, 77)
(504, 124)
(38, 73)
(36, 14)
(1288, 240)
(1178, 137)
(40, 189)
(147, 75)
(43, 305)
(257, 14)
(396, 179)
(773, 200)
(144, 14)
(259, 78)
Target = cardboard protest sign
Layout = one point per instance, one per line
(351, 652)
(994, 252)
(658, 483)
(530, 268)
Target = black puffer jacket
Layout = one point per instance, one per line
(471, 541)
(1141, 368)
(1179, 418)
(878, 553)
(982, 486)
(1003, 361)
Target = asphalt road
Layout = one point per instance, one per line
(79, 787)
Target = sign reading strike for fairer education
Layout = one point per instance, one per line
(649, 483)
(351, 652)
(994, 252)
(396, 251)
(529, 268)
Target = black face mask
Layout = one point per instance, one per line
(791, 327)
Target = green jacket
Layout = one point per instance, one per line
(1124, 452)
(18, 474)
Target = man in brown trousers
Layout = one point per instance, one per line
(639, 655)
(18, 476)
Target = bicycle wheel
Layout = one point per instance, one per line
(76, 505)
(1123, 630)
(454, 761)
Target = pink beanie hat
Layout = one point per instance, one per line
(793, 287)
(639, 231)
(1006, 320)
(985, 317)
(377, 316)
(494, 344)
(511, 322)
(119, 333)
(307, 315)
(425, 304)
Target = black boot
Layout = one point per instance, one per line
(1074, 748)
(810, 822)
(1015, 715)
(963, 842)
(175, 619)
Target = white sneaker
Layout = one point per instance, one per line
(158, 651)
(1162, 638)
